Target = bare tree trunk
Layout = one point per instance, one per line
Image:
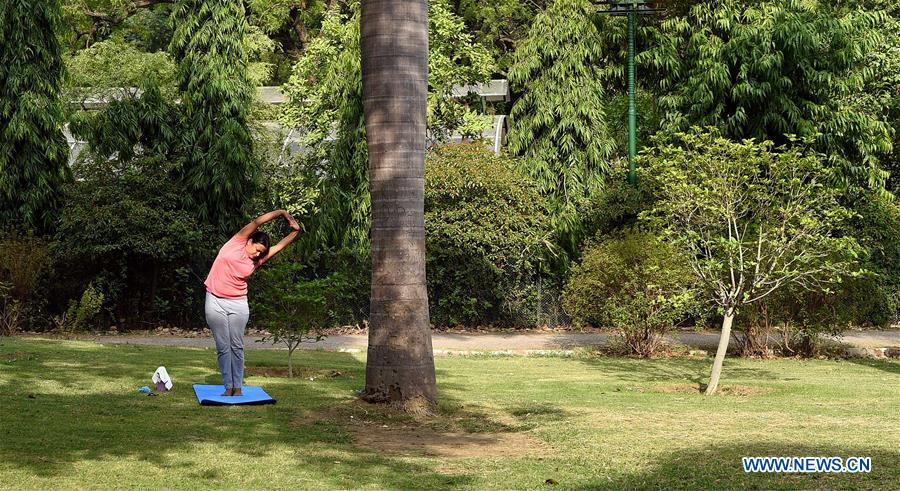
(394, 51)
(291, 363)
(724, 338)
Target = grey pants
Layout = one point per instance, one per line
(227, 320)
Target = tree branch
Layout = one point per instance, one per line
(100, 19)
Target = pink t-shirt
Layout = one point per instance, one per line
(229, 272)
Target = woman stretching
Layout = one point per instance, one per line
(227, 311)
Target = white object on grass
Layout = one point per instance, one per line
(162, 376)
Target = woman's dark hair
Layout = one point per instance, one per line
(260, 238)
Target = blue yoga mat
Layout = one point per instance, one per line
(211, 395)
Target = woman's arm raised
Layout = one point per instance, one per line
(295, 229)
(282, 243)
(267, 217)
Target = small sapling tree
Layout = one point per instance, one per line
(292, 309)
(753, 220)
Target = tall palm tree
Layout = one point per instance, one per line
(394, 50)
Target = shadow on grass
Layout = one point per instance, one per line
(63, 407)
(694, 370)
(890, 366)
(720, 467)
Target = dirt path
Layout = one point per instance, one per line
(493, 341)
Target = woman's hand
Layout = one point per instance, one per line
(292, 222)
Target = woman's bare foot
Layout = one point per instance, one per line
(228, 392)
(236, 392)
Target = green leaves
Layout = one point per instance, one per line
(219, 168)
(635, 283)
(116, 65)
(486, 233)
(293, 308)
(559, 124)
(500, 25)
(33, 150)
(766, 70)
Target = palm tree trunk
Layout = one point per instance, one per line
(394, 50)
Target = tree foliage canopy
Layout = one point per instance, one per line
(33, 151)
(559, 124)
(500, 25)
(771, 69)
(753, 219)
(113, 67)
(219, 168)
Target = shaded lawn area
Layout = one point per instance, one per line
(72, 418)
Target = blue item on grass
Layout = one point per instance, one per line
(211, 395)
(144, 390)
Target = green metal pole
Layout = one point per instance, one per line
(632, 109)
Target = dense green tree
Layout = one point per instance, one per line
(33, 151)
(770, 69)
(219, 169)
(501, 25)
(114, 67)
(753, 221)
(559, 124)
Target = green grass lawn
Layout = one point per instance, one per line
(72, 418)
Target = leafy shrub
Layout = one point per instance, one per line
(869, 298)
(25, 263)
(24, 258)
(877, 228)
(759, 322)
(805, 316)
(81, 312)
(634, 282)
(354, 268)
(485, 230)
